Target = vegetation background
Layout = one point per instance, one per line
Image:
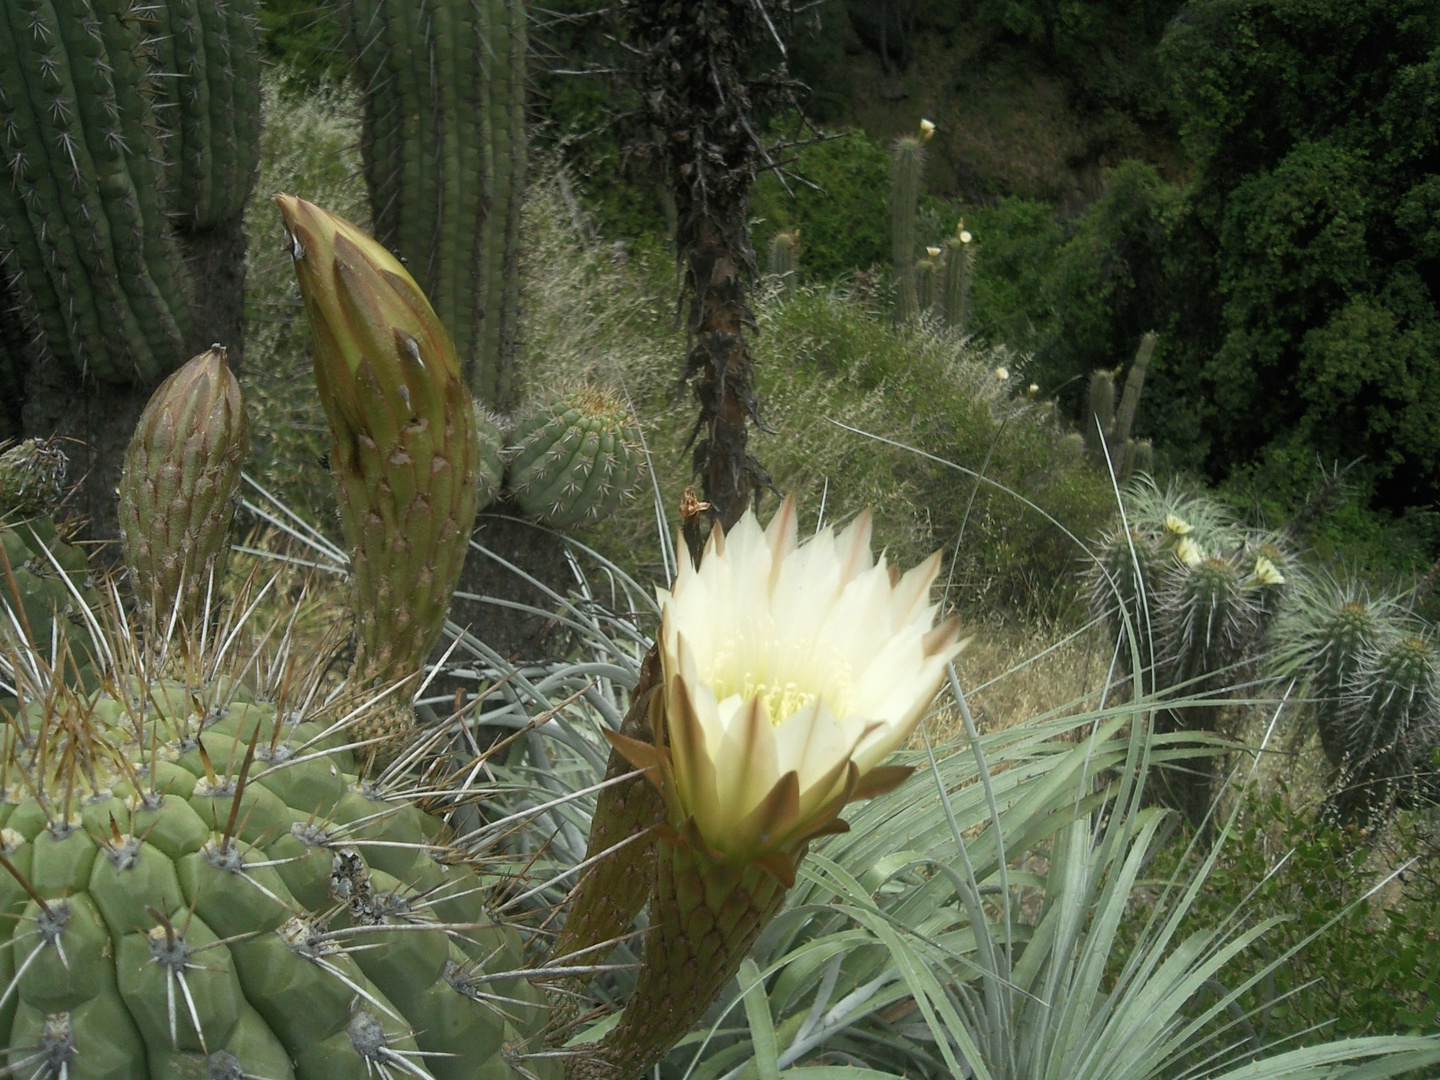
(1256, 180)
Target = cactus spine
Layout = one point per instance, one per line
(1107, 434)
(907, 166)
(444, 148)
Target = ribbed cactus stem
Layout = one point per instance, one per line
(80, 194)
(785, 259)
(907, 167)
(444, 148)
(1134, 384)
(177, 492)
(959, 263)
(1102, 414)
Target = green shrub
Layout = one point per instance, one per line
(1374, 970)
(844, 220)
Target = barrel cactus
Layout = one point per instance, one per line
(575, 456)
(196, 879)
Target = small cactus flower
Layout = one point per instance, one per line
(1188, 552)
(927, 130)
(964, 236)
(933, 252)
(1266, 572)
(791, 672)
(1002, 373)
(1033, 389)
(1177, 526)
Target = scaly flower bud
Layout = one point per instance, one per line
(404, 450)
(177, 490)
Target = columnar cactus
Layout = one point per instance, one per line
(959, 264)
(785, 259)
(444, 149)
(209, 63)
(907, 168)
(1107, 430)
(81, 201)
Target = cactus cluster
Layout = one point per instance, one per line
(199, 876)
(1107, 430)
(1190, 599)
(1374, 695)
(574, 456)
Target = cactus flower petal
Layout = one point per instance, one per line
(788, 663)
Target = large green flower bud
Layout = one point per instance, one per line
(177, 491)
(404, 451)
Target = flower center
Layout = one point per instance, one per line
(785, 676)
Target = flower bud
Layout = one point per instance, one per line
(177, 490)
(404, 450)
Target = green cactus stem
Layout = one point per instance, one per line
(574, 457)
(81, 202)
(959, 266)
(1107, 431)
(444, 148)
(785, 260)
(907, 167)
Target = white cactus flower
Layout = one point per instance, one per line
(1267, 573)
(965, 236)
(791, 672)
(1188, 552)
(1176, 525)
(933, 252)
(1002, 373)
(927, 130)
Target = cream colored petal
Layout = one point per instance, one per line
(906, 710)
(910, 595)
(809, 741)
(853, 547)
(694, 770)
(781, 535)
(745, 761)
